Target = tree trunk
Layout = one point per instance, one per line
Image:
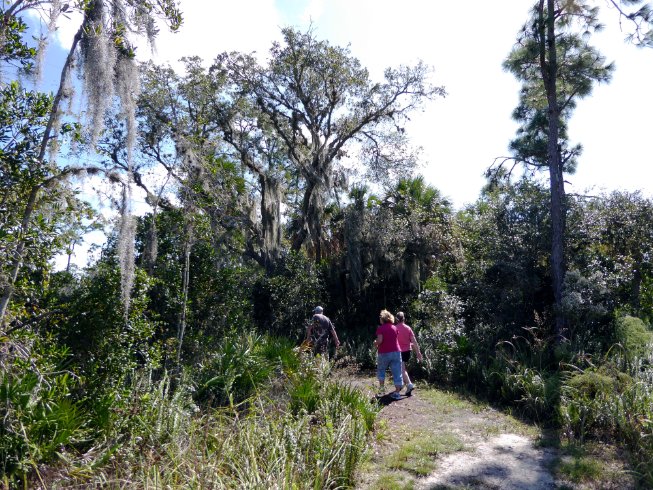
(185, 281)
(310, 225)
(270, 220)
(354, 222)
(549, 69)
(65, 72)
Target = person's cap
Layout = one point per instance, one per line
(317, 310)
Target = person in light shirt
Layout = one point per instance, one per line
(407, 342)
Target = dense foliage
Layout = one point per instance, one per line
(173, 359)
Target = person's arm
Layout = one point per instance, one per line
(335, 336)
(309, 331)
(415, 346)
(378, 340)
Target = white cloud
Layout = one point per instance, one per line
(313, 12)
(209, 28)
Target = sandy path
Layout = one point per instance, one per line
(496, 456)
(507, 461)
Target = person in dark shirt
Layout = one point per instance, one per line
(320, 330)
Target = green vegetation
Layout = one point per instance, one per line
(418, 455)
(159, 434)
(171, 360)
(591, 464)
(582, 469)
(393, 481)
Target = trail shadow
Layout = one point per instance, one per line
(492, 476)
(386, 399)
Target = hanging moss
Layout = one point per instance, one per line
(126, 236)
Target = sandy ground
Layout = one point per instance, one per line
(499, 452)
(507, 461)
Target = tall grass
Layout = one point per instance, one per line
(297, 430)
(608, 396)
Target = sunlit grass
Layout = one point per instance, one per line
(581, 469)
(591, 465)
(315, 438)
(418, 455)
(445, 402)
(393, 481)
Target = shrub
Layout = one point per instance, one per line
(441, 334)
(104, 346)
(283, 301)
(304, 395)
(262, 444)
(604, 401)
(587, 404)
(243, 362)
(635, 337)
(41, 419)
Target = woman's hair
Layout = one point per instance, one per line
(386, 316)
(400, 316)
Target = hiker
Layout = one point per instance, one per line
(389, 354)
(407, 342)
(320, 330)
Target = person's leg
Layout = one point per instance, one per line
(395, 368)
(381, 367)
(405, 356)
(321, 348)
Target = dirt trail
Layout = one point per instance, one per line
(506, 461)
(437, 440)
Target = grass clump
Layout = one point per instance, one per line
(591, 465)
(418, 455)
(581, 469)
(393, 481)
(634, 335)
(445, 402)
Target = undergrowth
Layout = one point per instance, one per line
(292, 428)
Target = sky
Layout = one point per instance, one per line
(465, 44)
(463, 133)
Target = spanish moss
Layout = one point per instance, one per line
(126, 235)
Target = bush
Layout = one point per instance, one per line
(244, 362)
(532, 389)
(166, 443)
(41, 419)
(588, 404)
(284, 300)
(587, 306)
(441, 334)
(104, 346)
(635, 337)
(604, 401)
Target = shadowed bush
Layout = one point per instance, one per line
(244, 362)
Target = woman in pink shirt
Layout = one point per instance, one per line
(388, 353)
(407, 342)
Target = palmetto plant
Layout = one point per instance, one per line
(41, 417)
